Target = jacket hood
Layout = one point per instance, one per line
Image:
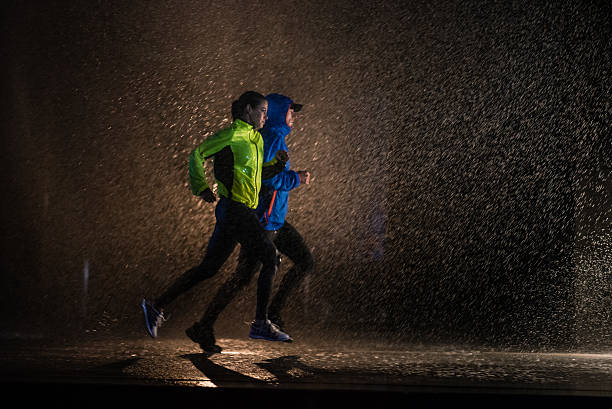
(278, 105)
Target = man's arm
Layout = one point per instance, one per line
(285, 181)
(275, 166)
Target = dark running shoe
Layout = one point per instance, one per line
(204, 336)
(268, 331)
(153, 318)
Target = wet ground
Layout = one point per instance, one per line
(115, 372)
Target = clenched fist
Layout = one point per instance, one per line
(282, 156)
(208, 195)
(304, 177)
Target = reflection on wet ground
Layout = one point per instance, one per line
(296, 370)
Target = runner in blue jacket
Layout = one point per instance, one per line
(274, 199)
(274, 196)
(272, 211)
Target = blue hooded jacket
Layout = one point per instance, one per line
(274, 195)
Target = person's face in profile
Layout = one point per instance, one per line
(290, 118)
(258, 115)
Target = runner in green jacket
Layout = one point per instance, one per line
(238, 166)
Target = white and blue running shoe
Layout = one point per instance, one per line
(153, 318)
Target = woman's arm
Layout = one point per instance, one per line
(197, 175)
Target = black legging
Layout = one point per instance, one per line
(236, 223)
(290, 243)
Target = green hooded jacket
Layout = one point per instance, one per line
(238, 165)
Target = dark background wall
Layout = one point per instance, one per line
(460, 156)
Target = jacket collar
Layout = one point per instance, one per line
(239, 123)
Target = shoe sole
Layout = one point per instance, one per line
(269, 339)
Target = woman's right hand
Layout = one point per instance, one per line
(208, 195)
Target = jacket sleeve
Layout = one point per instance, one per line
(284, 181)
(272, 168)
(197, 175)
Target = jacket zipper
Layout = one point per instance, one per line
(256, 170)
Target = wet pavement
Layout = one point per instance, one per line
(124, 371)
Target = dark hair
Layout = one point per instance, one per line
(251, 98)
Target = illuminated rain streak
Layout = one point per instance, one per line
(45, 203)
(85, 288)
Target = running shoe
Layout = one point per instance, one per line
(204, 336)
(153, 318)
(268, 331)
